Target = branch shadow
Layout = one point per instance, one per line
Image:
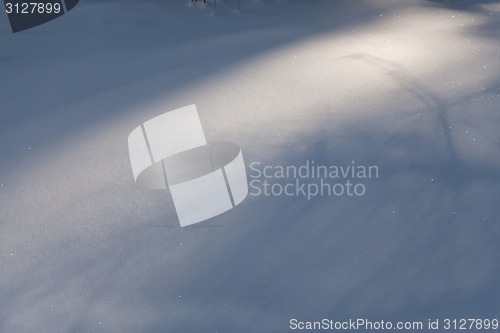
(421, 240)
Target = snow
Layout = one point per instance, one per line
(410, 86)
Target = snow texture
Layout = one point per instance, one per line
(410, 86)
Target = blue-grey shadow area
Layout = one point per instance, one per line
(409, 249)
(420, 245)
(487, 26)
(422, 242)
(113, 47)
(464, 4)
(153, 57)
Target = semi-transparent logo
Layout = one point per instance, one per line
(310, 179)
(204, 179)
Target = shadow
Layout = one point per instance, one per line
(421, 243)
(46, 98)
(488, 25)
(470, 5)
(108, 48)
(411, 249)
(397, 253)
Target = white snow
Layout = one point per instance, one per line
(411, 86)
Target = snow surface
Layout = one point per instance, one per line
(410, 86)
